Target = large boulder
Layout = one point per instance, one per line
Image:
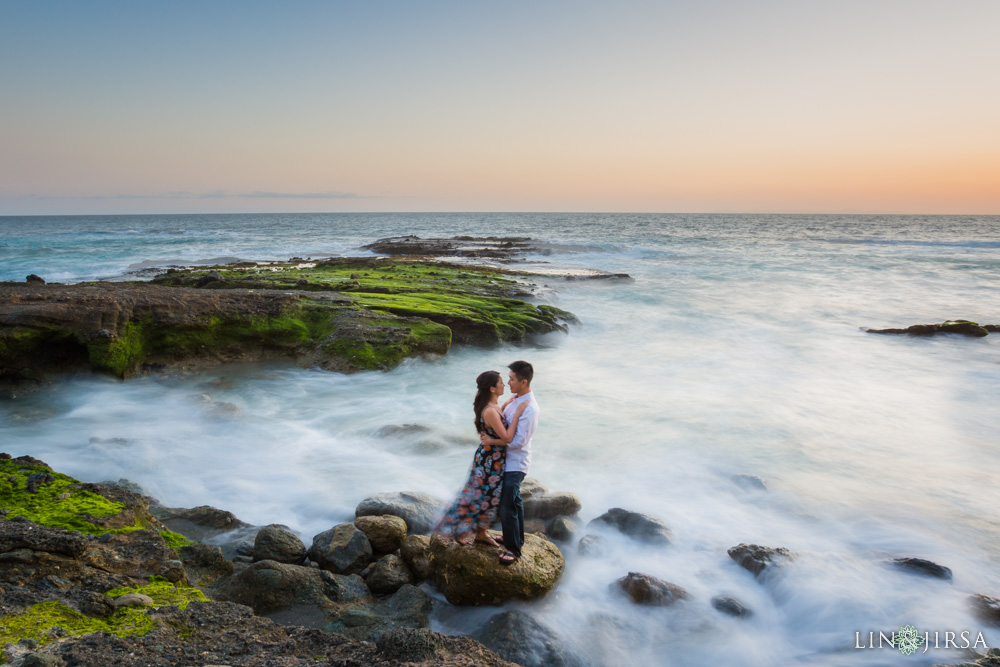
(420, 511)
(649, 590)
(278, 543)
(642, 527)
(549, 505)
(756, 559)
(16, 534)
(204, 563)
(519, 637)
(343, 549)
(561, 528)
(268, 585)
(386, 533)
(472, 575)
(409, 607)
(387, 575)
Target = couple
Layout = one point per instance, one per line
(500, 464)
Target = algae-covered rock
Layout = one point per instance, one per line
(472, 575)
(960, 327)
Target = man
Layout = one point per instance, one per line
(518, 459)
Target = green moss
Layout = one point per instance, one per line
(175, 540)
(163, 593)
(121, 354)
(36, 622)
(46, 508)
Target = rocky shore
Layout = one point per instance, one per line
(341, 314)
(98, 574)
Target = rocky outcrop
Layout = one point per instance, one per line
(757, 559)
(960, 327)
(521, 638)
(923, 567)
(649, 590)
(420, 511)
(641, 527)
(198, 523)
(471, 575)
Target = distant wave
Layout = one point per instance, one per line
(151, 263)
(945, 244)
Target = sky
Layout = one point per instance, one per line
(873, 106)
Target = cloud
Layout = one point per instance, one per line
(303, 195)
(215, 194)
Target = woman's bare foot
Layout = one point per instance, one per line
(464, 541)
(484, 538)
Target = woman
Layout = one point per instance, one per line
(475, 508)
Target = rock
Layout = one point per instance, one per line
(42, 660)
(401, 431)
(268, 585)
(749, 482)
(26, 534)
(519, 637)
(204, 563)
(593, 546)
(278, 543)
(642, 527)
(531, 487)
(387, 575)
(209, 278)
(961, 327)
(139, 554)
(534, 526)
(420, 511)
(649, 590)
(420, 646)
(471, 575)
(386, 533)
(198, 523)
(134, 487)
(549, 505)
(39, 479)
(409, 607)
(32, 278)
(133, 600)
(342, 550)
(562, 528)
(730, 605)
(921, 566)
(416, 553)
(755, 558)
(986, 608)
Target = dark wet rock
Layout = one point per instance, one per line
(36, 279)
(408, 607)
(922, 566)
(472, 575)
(27, 535)
(593, 546)
(416, 553)
(42, 660)
(343, 549)
(548, 505)
(961, 327)
(756, 559)
(387, 575)
(401, 431)
(649, 590)
(420, 511)
(279, 543)
(749, 482)
(424, 647)
(521, 638)
(727, 604)
(204, 563)
(198, 523)
(208, 279)
(134, 487)
(386, 533)
(986, 608)
(39, 479)
(642, 527)
(268, 585)
(458, 246)
(562, 528)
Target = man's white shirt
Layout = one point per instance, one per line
(519, 449)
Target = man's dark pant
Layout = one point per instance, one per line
(512, 512)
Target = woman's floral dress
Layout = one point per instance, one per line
(477, 503)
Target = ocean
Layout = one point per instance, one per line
(737, 349)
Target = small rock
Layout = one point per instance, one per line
(301, 282)
(244, 548)
(519, 637)
(355, 276)
(986, 608)
(278, 543)
(562, 528)
(420, 511)
(749, 482)
(32, 278)
(593, 546)
(38, 479)
(211, 277)
(133, 600)
(388, 575)
(730, 605)
(64, 496)
(386, 533)
(401, 430)
(343, 549)
(649, 590)
(549, 505)
(642, 527)
(921, 566)
(755, 558)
